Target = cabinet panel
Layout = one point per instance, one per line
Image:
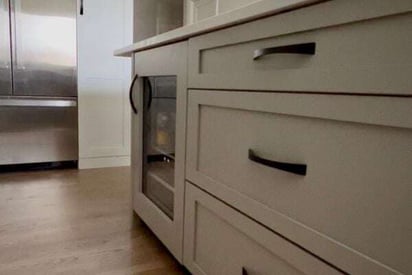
(104, 113)
(220, 240)
(103, 116)
(352, 52)
(353, 194)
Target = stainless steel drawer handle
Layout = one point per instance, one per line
(299, 169)
(303, 48)
(131, 94)
(45, 103)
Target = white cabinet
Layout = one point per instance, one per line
(290, 163)
(104, 113)
(339, 118)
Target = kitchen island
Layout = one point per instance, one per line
(290, 138)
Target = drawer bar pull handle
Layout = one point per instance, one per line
(299, 169)
(304, 48)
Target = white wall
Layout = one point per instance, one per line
(104, 112)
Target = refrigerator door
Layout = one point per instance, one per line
(38, 130)
(5, 53)
(44, 47)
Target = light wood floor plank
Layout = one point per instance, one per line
(75, 222)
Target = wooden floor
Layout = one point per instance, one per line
(75, 222)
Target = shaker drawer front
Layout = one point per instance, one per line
(277, 54)
(220, 240)
(335, 169)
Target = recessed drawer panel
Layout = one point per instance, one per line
(332, 173)
(320, 48)
(221, 241)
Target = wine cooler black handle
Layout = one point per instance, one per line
(303, 48)
(299, 169)
(150, 89)
(81, 7)
(131, 94)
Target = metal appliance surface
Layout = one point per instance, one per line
(38, 81)
(44, 51)
(38, 133)
(5, 50)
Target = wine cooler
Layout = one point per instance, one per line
(158, 96)
(159, 123)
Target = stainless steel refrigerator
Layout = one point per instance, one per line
(38, 81)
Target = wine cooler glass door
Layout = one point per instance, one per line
(159, 124)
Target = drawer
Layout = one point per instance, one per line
(363, 50)
(220, 240)
(351, 206)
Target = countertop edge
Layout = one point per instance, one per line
(242, 15)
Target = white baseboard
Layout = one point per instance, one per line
(104, 162)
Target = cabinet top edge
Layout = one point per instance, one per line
(245, 14)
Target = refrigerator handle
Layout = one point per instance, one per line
(14, 11)
(5, 63)
(81, 7)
